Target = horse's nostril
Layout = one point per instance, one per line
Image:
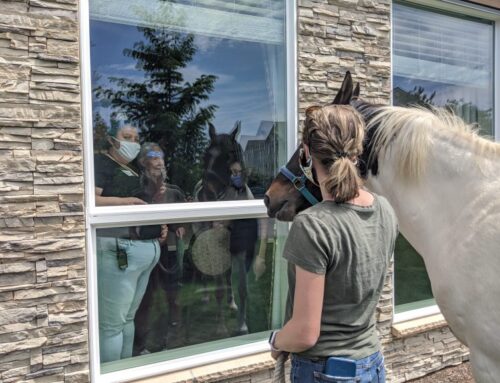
(266, 200)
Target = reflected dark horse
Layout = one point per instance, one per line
(223, 152)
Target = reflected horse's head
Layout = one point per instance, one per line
(221, 154)
(283, 198)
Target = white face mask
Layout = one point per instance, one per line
(128, 150)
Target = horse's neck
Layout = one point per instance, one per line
(454, 189)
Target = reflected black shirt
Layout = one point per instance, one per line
(114, 180)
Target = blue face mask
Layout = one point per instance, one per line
(237, 181)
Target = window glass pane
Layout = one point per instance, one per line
(209, 284)
(442, 60)
(163, 73)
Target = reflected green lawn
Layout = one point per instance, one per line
(412, 285)
(198, 307)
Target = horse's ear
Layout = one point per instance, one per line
(355, 94)
(236, 130)
(344, 95)
(211, 131)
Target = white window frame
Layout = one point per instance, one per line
(101, 217)
(468, 9)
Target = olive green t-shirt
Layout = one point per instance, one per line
(352, 246)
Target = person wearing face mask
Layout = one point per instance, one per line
(124, 259)
(168, 272)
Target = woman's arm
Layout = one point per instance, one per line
(259, 266)
(114, 201)
(302, 331)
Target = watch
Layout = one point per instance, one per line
(272, 339)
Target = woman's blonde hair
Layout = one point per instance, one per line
(335, 134)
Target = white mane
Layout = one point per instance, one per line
(408, 133)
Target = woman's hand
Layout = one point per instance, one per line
(158, 197)
(259, 266)
(276, 354)
(133, 201)
(180, 232)
(163, 235)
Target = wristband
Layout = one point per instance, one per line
(272, 339)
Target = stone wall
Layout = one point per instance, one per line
(43, 314)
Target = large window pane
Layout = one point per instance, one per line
(442, 60)
(167, 71)
(210, 284)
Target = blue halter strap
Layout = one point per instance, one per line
(300, 184)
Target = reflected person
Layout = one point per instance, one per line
(124, 261)
(168, 272)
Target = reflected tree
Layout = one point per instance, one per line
(417, 96)
(100, 133)
(166, 108)
(467, 110)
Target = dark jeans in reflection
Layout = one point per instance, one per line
(166, 275)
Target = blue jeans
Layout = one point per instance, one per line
(121, 291)
(368, 370)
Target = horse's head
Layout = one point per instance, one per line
(283, 198)
(222, 153)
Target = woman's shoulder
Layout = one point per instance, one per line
(316, 216)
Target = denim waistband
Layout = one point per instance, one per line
(366, 362)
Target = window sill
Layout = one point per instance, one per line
(417, 326)
(216, 372)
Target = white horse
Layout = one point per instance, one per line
(443, 182)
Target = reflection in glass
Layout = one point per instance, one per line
(207, 281)
(172, 69)
(441, 60)
(444, 60)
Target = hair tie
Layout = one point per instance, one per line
(342, 154)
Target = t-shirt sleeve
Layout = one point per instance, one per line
(308, 245)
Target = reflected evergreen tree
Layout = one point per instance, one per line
(100, 133)
(468, 111)
(166, 108)
(417, 96)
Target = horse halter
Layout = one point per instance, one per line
(300, 181)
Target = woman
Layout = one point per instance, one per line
(338, 252)
(168, 271)
(124, 260)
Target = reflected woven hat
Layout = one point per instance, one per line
(210, 251)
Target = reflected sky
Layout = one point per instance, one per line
(243, 89)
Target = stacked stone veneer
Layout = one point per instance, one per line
(43, 314)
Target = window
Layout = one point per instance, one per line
(187, 124)
(443, 59)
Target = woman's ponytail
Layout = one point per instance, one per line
(335, 134)
(343, 180)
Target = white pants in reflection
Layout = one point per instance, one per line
(121, 292)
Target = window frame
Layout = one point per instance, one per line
(468, 9)
(102, 217)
